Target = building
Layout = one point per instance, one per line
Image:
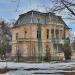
(38, 36)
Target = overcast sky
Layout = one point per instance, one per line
(8, 9)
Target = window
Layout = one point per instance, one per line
(52, 33)
(25, 33)
(57, 33)
(58, 47)
(38, 34)
(47, 33)
(61, 34)
(16, 36)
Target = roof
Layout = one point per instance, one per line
(43, 13)
(36, 12)
(65, 25)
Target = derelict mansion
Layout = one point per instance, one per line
(36, 34)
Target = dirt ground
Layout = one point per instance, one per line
(73, 73)
(68, 73)
(5, 70)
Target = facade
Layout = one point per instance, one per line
(38, 36)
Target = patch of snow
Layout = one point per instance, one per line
(52, 68)
(37, 65)
(23, 72)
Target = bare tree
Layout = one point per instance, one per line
(73, 44)
(67, 51)
(5, 37)
(62, 5)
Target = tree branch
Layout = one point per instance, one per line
(68, 8)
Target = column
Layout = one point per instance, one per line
(54, 32)
(51, 42)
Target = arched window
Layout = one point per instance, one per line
(57, 33)
(52, 33)
(38, 34)
(16, 36)
(25, 34)
(47, 34)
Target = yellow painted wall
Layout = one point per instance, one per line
(29, 45)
